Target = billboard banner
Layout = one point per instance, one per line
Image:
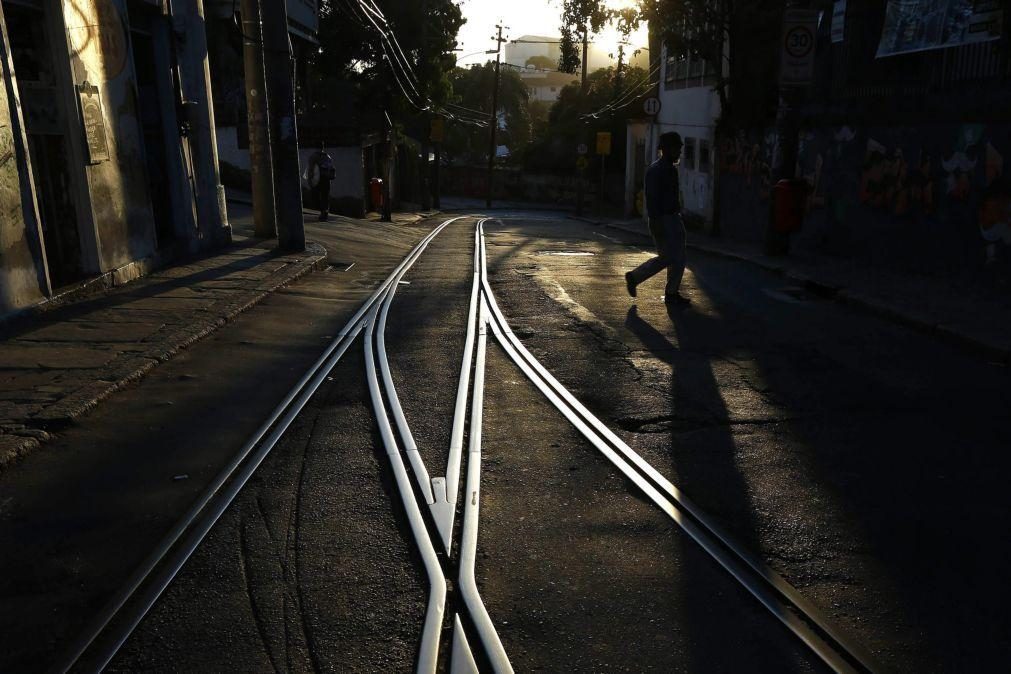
(919, 25)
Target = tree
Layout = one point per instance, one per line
(352, 51)
(580, 20)
(554, 147)
(542, 62)
(472, 89)
(738, 38)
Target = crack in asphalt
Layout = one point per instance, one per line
(667, 422)
(258, 619)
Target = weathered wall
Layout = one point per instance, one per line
(932, 199)
(347, 190)
(19, 275)
(121, 206)
(692, 113)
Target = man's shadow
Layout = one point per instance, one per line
(704, 464)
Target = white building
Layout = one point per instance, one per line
(544, 85)
(690, 106)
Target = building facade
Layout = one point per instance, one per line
(690, 106)
(107, 130)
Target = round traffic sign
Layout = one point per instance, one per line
(799, 41)
(651, 106)
(582, 148)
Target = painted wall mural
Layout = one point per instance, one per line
(935, 199)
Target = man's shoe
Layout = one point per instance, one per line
(630, 283)
(677, 300)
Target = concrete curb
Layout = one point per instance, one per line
(875, 306)
(16, 442)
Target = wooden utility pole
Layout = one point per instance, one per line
(582, 109)
(257, 116)
(426, 190)
(493, 118)
(280, 76)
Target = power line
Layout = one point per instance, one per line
(397, 61)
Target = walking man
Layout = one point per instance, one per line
(320, 172)
(663, 207)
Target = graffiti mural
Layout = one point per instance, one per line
(995, 208)
(934, 199)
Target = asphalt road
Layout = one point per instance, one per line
(862, 461)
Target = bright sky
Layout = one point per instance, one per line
(524, 17)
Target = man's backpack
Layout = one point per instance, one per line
(327, 171)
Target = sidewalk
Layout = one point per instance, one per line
(59, 363)
(926, 304)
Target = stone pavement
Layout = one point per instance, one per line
(56, 364)
(931, 305)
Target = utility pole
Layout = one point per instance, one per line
(791, 97)
(493, 118)
(260, 163)
(388, 168)
(426, 190)
(582, 110)
(280, 76)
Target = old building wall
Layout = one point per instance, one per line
(22, 281)
(98, 41)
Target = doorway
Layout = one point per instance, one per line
(48, 144)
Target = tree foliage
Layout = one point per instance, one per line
(740, 35)
(472, 89)
(554, 145)
(351, 51)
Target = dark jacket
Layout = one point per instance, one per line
(663, 193)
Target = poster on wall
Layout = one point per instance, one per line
(919, 25)
(94, 123)
(838, 21)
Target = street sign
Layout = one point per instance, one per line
(582, 149)
(604, 143)
(581, 163)
(651, 106)
(796, 66)
(438, 130)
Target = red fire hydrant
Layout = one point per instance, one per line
(789, 204)
(376, 193)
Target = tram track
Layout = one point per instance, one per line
(448, 548)
(103, 636)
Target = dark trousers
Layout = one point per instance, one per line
(323, 198)
(669, 237)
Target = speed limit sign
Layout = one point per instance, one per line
(796, 68)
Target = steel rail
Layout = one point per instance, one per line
(718, 544)
(289, 407)
(494, 649)
(452, 480)
(381, 385)
(428, 653)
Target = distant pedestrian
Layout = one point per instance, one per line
(320, 172)
(663, 208)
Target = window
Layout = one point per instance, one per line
(668, 72)
(695, 68)
(705, 157)
(688, 156)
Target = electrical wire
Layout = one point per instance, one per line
(628, 96)
(397, 61)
